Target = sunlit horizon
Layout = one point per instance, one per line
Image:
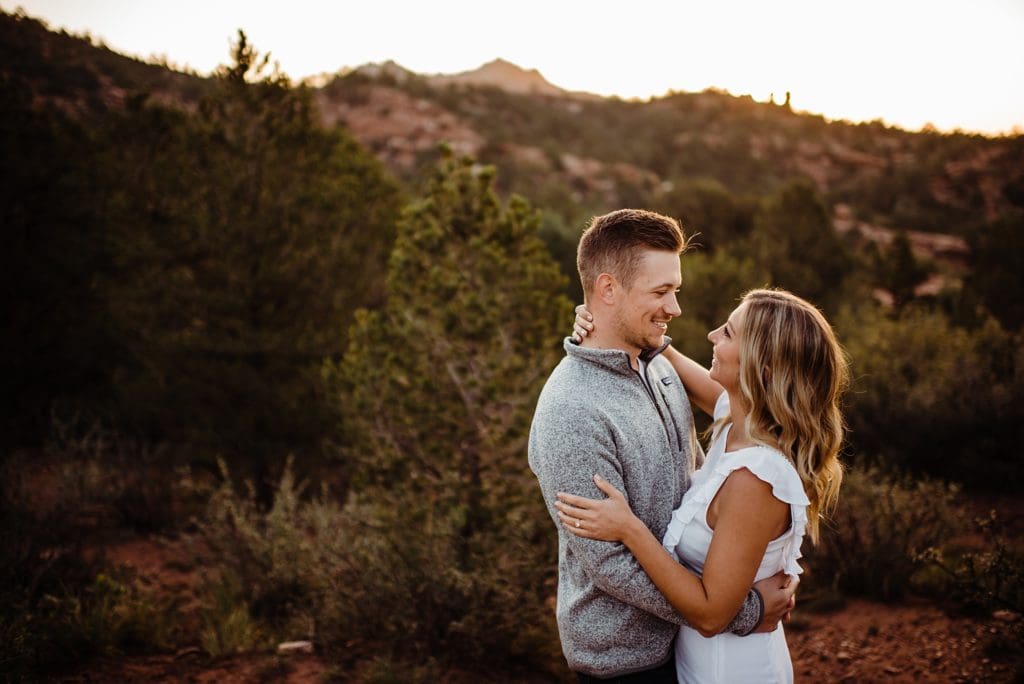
(945, 65)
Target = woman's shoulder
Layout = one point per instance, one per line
(770, 466)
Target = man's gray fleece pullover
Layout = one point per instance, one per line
(597, 415)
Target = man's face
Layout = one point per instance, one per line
(647, 304)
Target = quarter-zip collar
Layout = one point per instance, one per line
(613, 359)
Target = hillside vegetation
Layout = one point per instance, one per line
(222, 290)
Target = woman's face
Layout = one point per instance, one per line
(725, 362)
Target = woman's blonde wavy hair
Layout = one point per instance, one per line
(792, 376)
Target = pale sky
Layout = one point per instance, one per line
(951, 63)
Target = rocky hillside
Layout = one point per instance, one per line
(574, 153)
(566, 149)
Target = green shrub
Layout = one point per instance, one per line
(454, 548)
(108, 479)
(933, 398)
(988, 579)
(109, 617)
(61, 604)
(385, 670)
(227, 626)
(872, 544)
(407, 587)
(268, 557)
(306, 567)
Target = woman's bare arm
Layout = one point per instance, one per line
(703, 391)
(748, 518)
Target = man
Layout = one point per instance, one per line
(615, 408)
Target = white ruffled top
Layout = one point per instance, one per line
(688, 536)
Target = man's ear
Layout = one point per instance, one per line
(606, 289)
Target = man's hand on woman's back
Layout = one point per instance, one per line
(779, 595)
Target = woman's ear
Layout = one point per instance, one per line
(605, 288)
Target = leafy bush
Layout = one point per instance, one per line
(106, 478)
(443, 549)
(265, 559)
(227, 625)
(989, 579)
(872, 544)
(935, 398)
(998, 252)
(61, 605)
(794, 239)
(471, 328)
(306, 567)
(108, 617)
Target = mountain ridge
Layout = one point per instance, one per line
(575, 153)
(503, 74)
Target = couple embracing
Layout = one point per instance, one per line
(673, 566)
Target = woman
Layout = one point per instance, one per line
(774, 387)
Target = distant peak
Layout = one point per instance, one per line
(389, 68)
(503, 74)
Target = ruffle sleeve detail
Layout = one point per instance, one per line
(768, 465)
(694, 502)
(792, 552)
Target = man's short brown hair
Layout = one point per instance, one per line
(614, 243)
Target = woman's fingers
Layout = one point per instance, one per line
(583, 324)
(582, 313)
(575, 525)
(607, 487)
(572, 511)
(578, 501)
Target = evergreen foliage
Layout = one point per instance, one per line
(183, 275)
(261, 233)
(794, 239)
(881, 527)
(898, 271)
(436, 393)
(935, 398)
(57, 350)
(998, 277)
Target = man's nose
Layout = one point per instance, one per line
(673, 307)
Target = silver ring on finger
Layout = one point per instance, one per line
(579, 523)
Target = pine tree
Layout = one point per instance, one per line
(899, 271)
(246, 235)
(437, 392)
(997, 250)
(795, 241)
